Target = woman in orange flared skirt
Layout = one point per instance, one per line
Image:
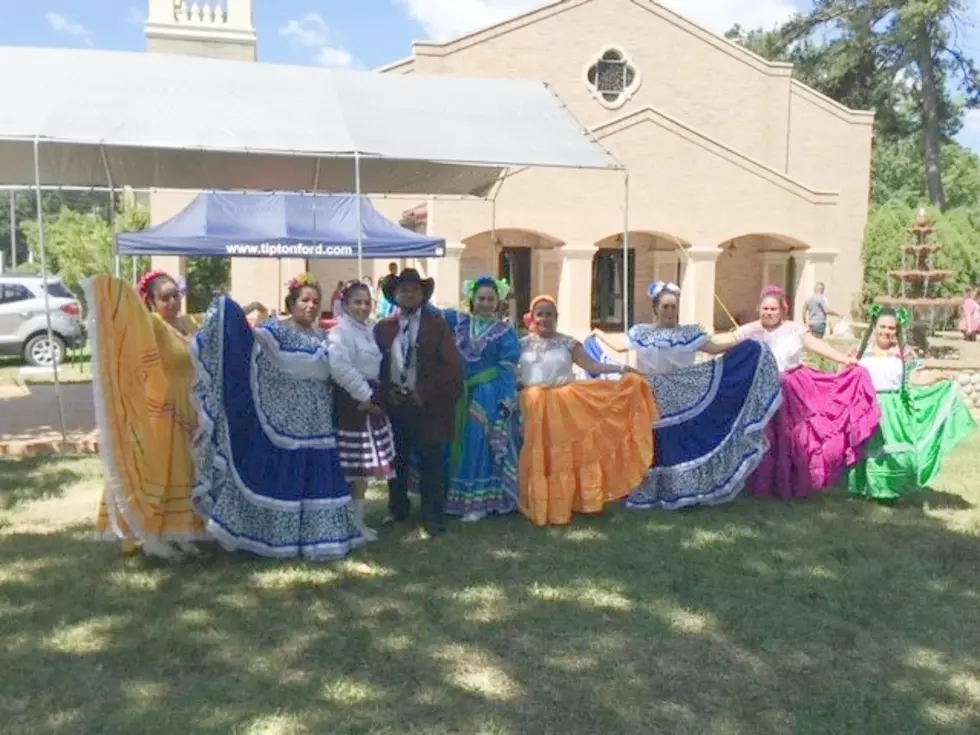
(586, 443)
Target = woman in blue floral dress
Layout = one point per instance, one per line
(269, 479)
(483, 458)
(711, 432)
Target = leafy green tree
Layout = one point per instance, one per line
(206, 278)
(900, 173)
(25, 210)
(888, 230)
(898, 57)
(81, 244)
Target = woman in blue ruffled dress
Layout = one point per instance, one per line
(483, 459)
(269, 479)
(711, 433)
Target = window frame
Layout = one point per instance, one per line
(628, 91)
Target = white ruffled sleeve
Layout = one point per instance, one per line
(342, 368)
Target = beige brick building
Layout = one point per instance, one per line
(739, 175)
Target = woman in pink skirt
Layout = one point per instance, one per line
(825, 420)
(364, 436)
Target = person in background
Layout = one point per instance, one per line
(385, 307)
(816, 311)
(337, 301)
(369, 285)
(970, 315)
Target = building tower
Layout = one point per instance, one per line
(216, 29)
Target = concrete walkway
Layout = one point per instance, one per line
(30, 424)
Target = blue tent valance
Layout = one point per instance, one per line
(279, 226)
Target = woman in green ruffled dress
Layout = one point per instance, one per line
(923, 418)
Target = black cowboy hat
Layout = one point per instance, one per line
(409, 275)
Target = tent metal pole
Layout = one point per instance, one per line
(316, 185)
(626, 253)
(13, 229)
(47, 298)
(112, 229)
(112, 210)
(360, 222)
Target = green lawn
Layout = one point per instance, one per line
(830, 616)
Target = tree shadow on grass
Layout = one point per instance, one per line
(29, 479)
(829, 616)
(937, 499)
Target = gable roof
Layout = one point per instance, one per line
(557, 7)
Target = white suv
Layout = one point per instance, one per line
(24, 326)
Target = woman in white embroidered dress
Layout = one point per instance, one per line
(586, 443)
(825, 420)
(923, 417)
(364, 438)
(711, 432)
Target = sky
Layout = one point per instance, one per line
(362, 33)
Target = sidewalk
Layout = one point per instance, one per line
(30, 424)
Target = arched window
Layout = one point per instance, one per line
(612, 78)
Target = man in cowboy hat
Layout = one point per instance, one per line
(421, 381)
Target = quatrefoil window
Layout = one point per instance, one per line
(612, 78)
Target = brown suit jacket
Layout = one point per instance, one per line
(439, 381)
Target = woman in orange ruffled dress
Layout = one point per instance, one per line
(142, 384)
(586, 443)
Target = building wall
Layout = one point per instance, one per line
(685, 72)
(826, 149)
(719, 144)
(211, 49)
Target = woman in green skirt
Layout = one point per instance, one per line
(923, 418)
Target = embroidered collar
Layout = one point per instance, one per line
(473, 334)
(650, 335)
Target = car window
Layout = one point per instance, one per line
(58, 290)
(11, 293)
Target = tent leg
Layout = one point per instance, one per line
(44, 285)
(112, 212)
(360, 223)
(112, 227)
(627, 280)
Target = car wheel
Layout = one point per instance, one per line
(39, 351)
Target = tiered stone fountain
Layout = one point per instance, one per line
(917, 283)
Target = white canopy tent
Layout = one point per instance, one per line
(98, 118)
(183, 122)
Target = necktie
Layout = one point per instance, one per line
(406, 348)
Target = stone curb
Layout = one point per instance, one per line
(49, 444)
